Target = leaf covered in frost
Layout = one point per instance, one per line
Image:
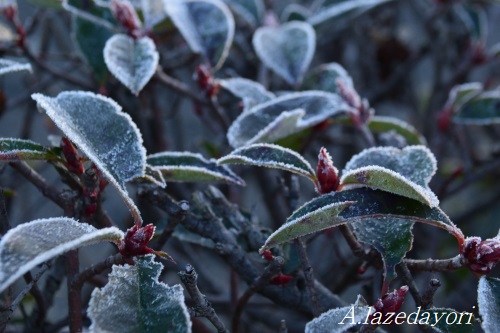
(338, 320)
(153, 12)
(7, 3)
(251, 11)
(354, 205)
(325, 78)
(483, 109)
(10, 66)
(463, 93)
(134, 301)
(270, 156)
(380, 124)
(206, 25)
(19, 149)
(30, 244)
(98, 16)
(340, 8)
(251, 92)
(154, 176)
(132, 61)
(107, 135)
(191, 167)
(443, 320)
(285, 115)
(488, 299)
(287, 49)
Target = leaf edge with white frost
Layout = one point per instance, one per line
(112, 234)
(358, 314)
(38, 152)
(486, 299)
(341, 8)
(406, 130)
(10, 66)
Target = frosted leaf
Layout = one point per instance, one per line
(105, 3)
(19, 149)
(387, 180)
(30, 244)
(488, 299)
(134, 301)
(206, 25)
(287, 49)
(10, 66)
(87, 13)
(380, 124)
(341, 8)
(251, 11)
(154, 176)
(270, 156)
(336, 208)
(7, 3)
(153, 12)
(107, 135)
(285, 115)
(483, 109)
(443, 320)
(295, 12)
(463, 93)
(325, 76)
(191, 167)
(338, 320)
(132, 61)
(251, 92)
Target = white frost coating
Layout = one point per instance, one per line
(195, 26)
(9, 66)
(153, 12)
(251, 92)
(244, 9)
(106, 134)
(329, 322)
(463, 93)
(403, 124)
(134, 301)
(86, 16)
(35, 242)
(155, 176)
(414, 191)
(341, 8)
(7, 3)
(236, 154)
(287, 49)
(132, 61)
(9, 154)
(488, 292)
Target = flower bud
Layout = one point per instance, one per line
(126, 15)
(391, 302)
(73, 159)
(136, 240)
(281, 279)
(481, 256)
(328, 180)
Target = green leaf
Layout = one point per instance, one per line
(251, 11)
(19, 149)
(271, 156)
(483, 109)
(344, 7)
(285, 115)
(488, 299)
(380, 124)
(463, 93)
(325, 76)
(10, 66)
(355, 205)
(132, 61)
(191, 167)
(444, 320)
(134, 301)
(30, 244)
(251, 92)
(107, 135)
(154, 176)
(88, 11)
(206, 25)
(287, 50)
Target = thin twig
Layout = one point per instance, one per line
(428, 296)
(408, 279)
(178, 86)
(272, 269)
(93, 270)
(202, 307)
(431, 265)
(74, 294)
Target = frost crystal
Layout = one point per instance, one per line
(9, 66)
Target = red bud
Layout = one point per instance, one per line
(281, 279)
(206, 80)
(136, 240)
(390, 302)
(73, 159)
(444, 119)
(328, 180)
(126, 15)
(481, 256)
(267, 255)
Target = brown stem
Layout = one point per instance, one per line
(440, 265)
(74, 294)
(178, 86)
(93, 270)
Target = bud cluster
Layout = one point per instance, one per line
(481, 256)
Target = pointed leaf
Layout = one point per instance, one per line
(132, 61)
(83, 10)
(18, 149)
(285, 115)
(449, 320)
(251, 11)
(270, 156)
(35, 242)
(341, 8)
(338, 208)
(134, 301)
(107, 135)
(463, 93)
(251, 92)
(338, 320)
(483, 109)
(325, 78)
(10, 66)
(380, 124)
(154, 176)
(190, 167)
(206, 25)
(287, 49)
(488, 299)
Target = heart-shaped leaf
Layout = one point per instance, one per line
(132, 61)
(325, 78)
(355, 205)
(271, 156)
(251, 11)
(344, 7)
(381, 124)
(488, 299)
(190, 167)
(251, 92)
(483, 109)
(206, 25)
(134, 301)
(18, 149)
(10, 66)
(285, 115)
(103, 132)
(30, 244)
(287, 49)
